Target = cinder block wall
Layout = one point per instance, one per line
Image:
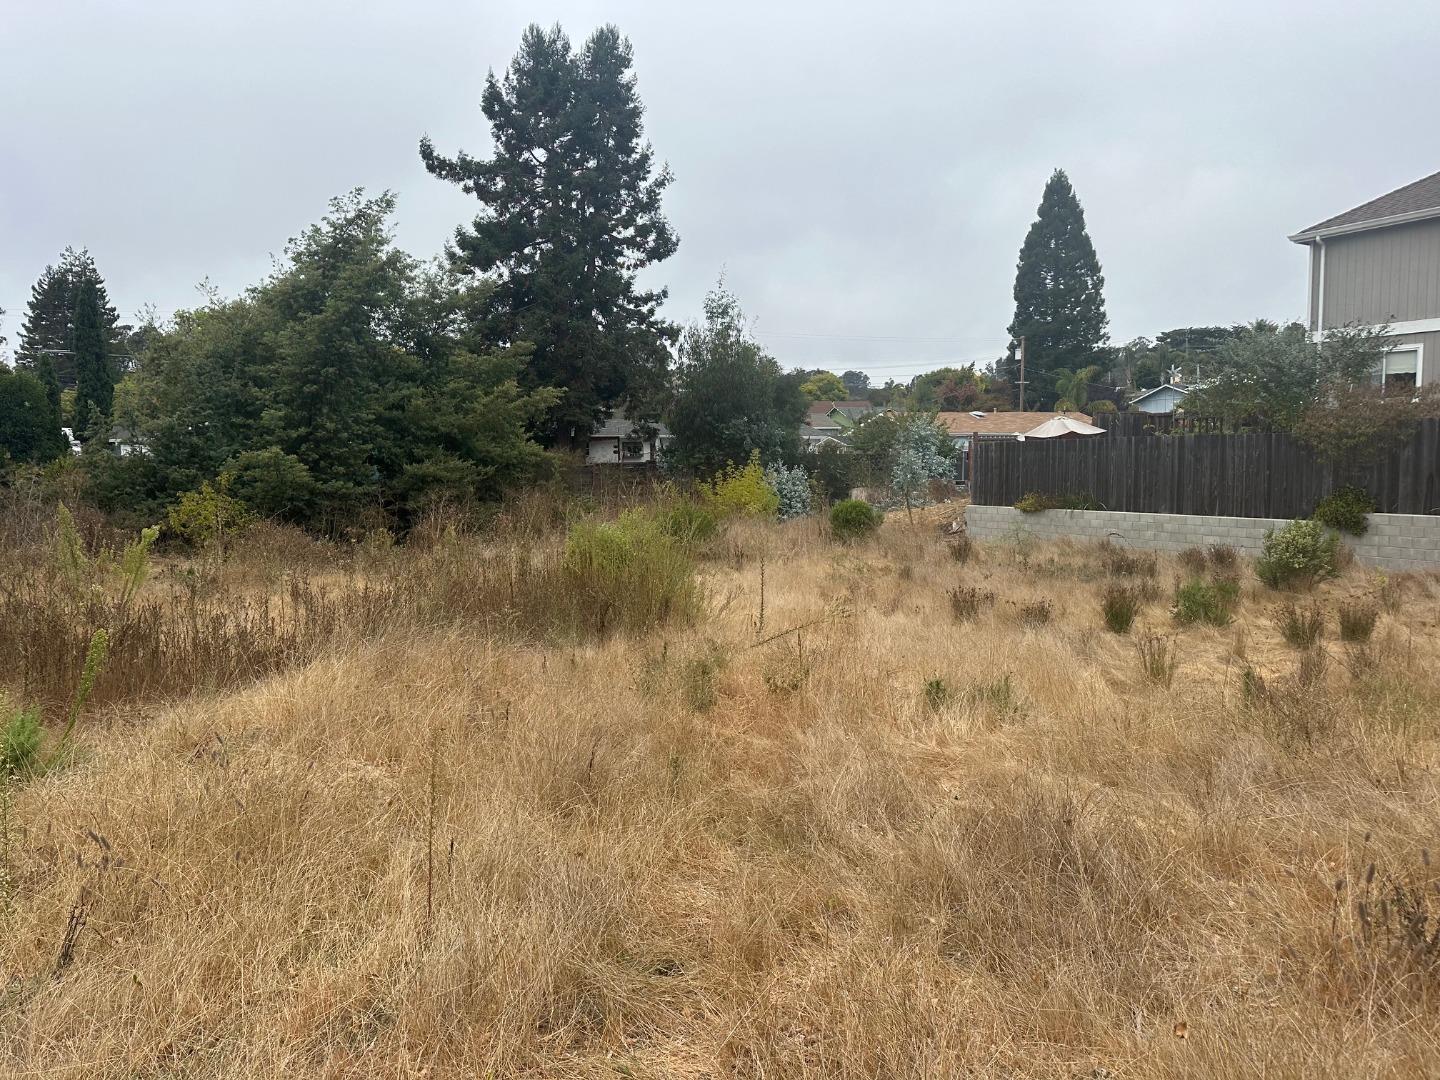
(1393, 541)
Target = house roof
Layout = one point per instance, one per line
(621, 427)
(1413, 202)
(1156, 389)
(1001, 423)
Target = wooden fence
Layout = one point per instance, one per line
(1264, 474)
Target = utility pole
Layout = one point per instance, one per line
(1022, 372)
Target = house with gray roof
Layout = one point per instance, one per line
(1379, 263)
(621, 441)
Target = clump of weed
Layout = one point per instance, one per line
(966, 601)
(1209, 602)
(1223, 557)
(1119, 604)
(700, 679)
(997, 696)
(629, 574)
(1310, 671)
(20, 740)
(1123, 562)
(1036, 613)
(962, 548)
(937, 693)
(1385, 937)
(1157, 659)
(1357, 621)
(1194, 559)
(786, 668)
(1299, 626)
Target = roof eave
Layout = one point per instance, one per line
(1310, 235)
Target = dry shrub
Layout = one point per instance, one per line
(1157, 659)
(1301, 627)
(967, 601)
(1123, 562)
(1194, 560)
(1357, 621)
(1035, 613)
(1119, 604)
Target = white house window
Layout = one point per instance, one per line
(632, 450)
(1399, 367)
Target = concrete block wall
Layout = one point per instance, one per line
(1393, 541)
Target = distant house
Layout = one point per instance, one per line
(1162, 399)
(617, 441)
(1380, 263)
(966, 428)
(831, 421)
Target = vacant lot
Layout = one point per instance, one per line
(445, 811)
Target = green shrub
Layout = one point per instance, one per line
(1346, 509)
(854, 519)
(1119, 604)
(1357, 621)
(271, 483)
(689, 523)
(209, 516)
(1300, 627)
(19, 740)
(741, 490)
(1032, 502)
(794, 493)
(1301, 553)
(1209, 602)
(629, 574)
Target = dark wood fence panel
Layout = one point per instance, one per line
(1255, 474)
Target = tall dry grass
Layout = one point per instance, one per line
(470, 837)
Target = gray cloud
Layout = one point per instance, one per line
(864, 178)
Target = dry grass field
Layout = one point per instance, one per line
(417, 812)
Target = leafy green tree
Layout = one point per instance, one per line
(1275, 375)
(857, 384)
(570, 212)
(29, 427)
(1059, 293)
(94, 375)
(731, 397)
(350, 378)
(921, 453)
(823, 386)
(1072, 388)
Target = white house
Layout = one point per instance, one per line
(617, 442)
(1162, 399)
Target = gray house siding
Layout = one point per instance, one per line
(1385, 275)
(1429, 355)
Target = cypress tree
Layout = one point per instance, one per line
(1059, 293)
(94, 376)
(49, 324)
(570, 213)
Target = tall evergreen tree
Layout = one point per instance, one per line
(49, 325)
(570, 213)
(94, 375)
(1059, 294)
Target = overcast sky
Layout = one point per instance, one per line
(865, 179)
